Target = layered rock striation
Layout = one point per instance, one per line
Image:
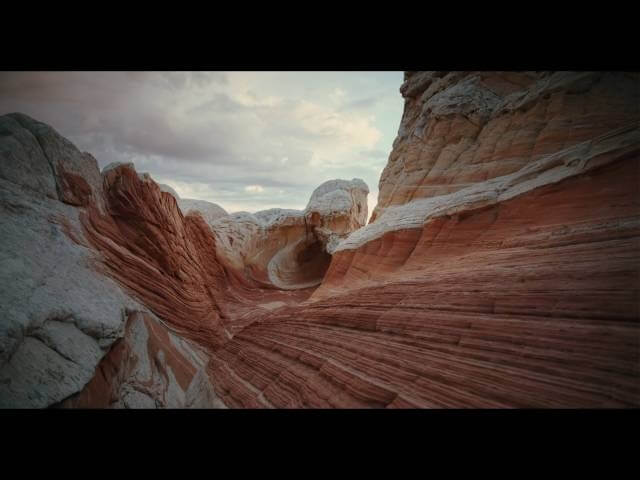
(499, 269)
(462, 128)
(529, 303)
(91, 261)
(291, 249)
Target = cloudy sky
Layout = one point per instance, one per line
(245, 140)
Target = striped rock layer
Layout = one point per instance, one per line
(500, 268)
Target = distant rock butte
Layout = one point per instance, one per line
(499, 269)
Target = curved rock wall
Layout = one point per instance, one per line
(461, 128)
(68, 230)
(499, 269)
(533, 302)
(291, 249)
(166, 260)
(60, 316)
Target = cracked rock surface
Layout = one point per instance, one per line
(60, 316)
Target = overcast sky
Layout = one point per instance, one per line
(244, 140)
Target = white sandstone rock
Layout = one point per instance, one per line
(208, 210)
(60, 316)
(339, 196)
(55, 327)
(168, 189)
(272, 239)
(22, 160)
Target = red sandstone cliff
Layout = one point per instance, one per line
(532, 303)
(499, 269)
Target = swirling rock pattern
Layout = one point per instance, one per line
(499, 269)
(529, 303)
(291, 249)
(461, 128)
(166, 260)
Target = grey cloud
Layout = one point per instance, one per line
(202, 79)
(219, 103)
(179, 80)
(235, 175)
(360, 104)
(175, 80)
(154, 135)
(374, 154)
(184, 126)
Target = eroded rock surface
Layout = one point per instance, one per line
(500, 268)
(60, 316)
(292, 249)
(85, 253)
(150, 367)
(462, 128)
(62, 313)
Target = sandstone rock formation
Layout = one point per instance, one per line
(462, 128)
(59, 315)
(69, 231)
(36, 156)
(62, 315)
(207, 210)
(210, 212)
(290, 248)
(499, 269)
(150, 367)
